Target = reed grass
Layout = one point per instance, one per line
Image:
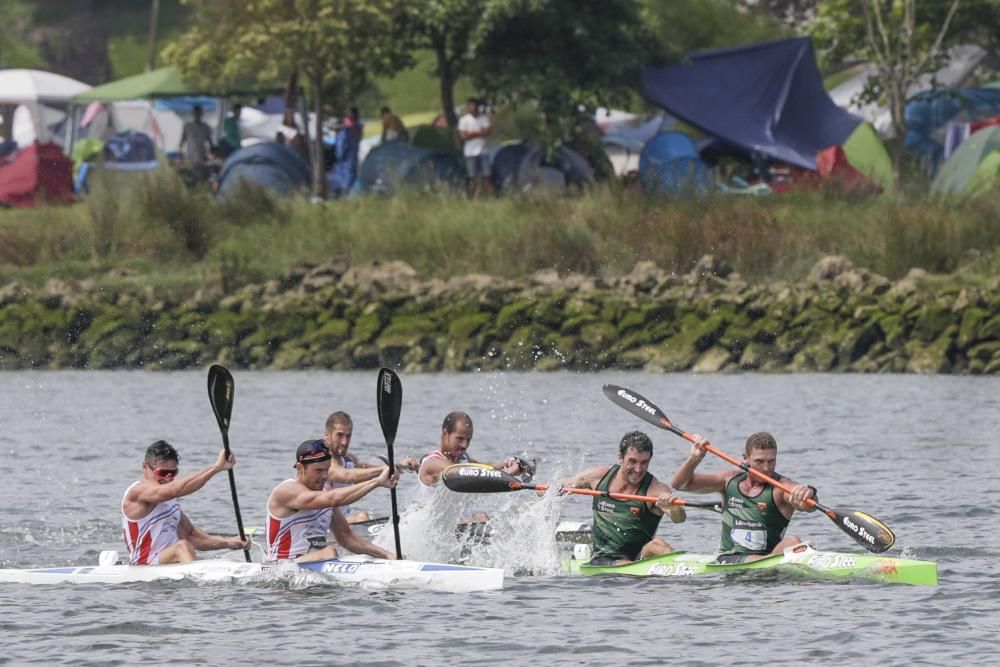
(179, 238)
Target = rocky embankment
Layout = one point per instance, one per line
(842, 318)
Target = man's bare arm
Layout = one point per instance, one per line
(430, 470)
(298, 499)
(586, 479)
(686, 479)
(355, 475)
(203, 541)
(153, 494)
(350, 540)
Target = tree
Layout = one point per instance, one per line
(335, 45)
(446, 28)
(902, 41)
(15, 48)
(154, 28)
(682, 26)
(564, 56)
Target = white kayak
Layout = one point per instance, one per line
(372, 573)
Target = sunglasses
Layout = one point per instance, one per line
(165, 472)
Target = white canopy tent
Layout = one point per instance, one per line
(45, 98)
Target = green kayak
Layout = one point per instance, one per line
(801, 558)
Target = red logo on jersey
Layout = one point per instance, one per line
(634, 512)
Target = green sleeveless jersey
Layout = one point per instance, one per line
(622, 527)
(750, 525)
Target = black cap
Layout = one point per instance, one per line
(312, 451)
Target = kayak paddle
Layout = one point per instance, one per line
(220, 393)
(863, 528)
(482, 478)
(390, 402)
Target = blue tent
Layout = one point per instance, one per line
(669, 164)
(763, 97)
(267, 164)
(926, 113)
(522, 168)
(395, 164)
(130, 151)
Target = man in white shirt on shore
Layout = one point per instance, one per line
(473, 128)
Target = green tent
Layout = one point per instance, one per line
(956, 174)
(987, 175)
(163, 82)
(867, 154)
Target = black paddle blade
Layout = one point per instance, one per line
(390, 403)
(220, 393)
(478, 478)
(863, 528)
(641, 407)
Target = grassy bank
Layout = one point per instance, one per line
(162, 234)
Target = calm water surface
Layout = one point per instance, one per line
(920, 453)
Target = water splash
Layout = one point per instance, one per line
(519, 536)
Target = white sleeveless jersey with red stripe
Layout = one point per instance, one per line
(148, 536)
(426, 491)
(289, 537)
(347, 464)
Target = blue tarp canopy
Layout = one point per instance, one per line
(763, 97)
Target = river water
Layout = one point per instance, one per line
(919, 452)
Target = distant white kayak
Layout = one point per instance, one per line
(354, 570)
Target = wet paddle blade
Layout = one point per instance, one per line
(220, 393)
(863, 528)
(479, 478)
(389, 400)
(390, 403)
(640, 406)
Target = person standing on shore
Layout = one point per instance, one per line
(196, 140)
(473, 129)
(392, 127)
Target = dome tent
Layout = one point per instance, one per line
(522, 167)
(957, 172)
(395, 164)
(267, 164)
(40, 172)
(670, 164)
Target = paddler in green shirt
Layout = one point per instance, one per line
(625, 530)
(755, 514)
